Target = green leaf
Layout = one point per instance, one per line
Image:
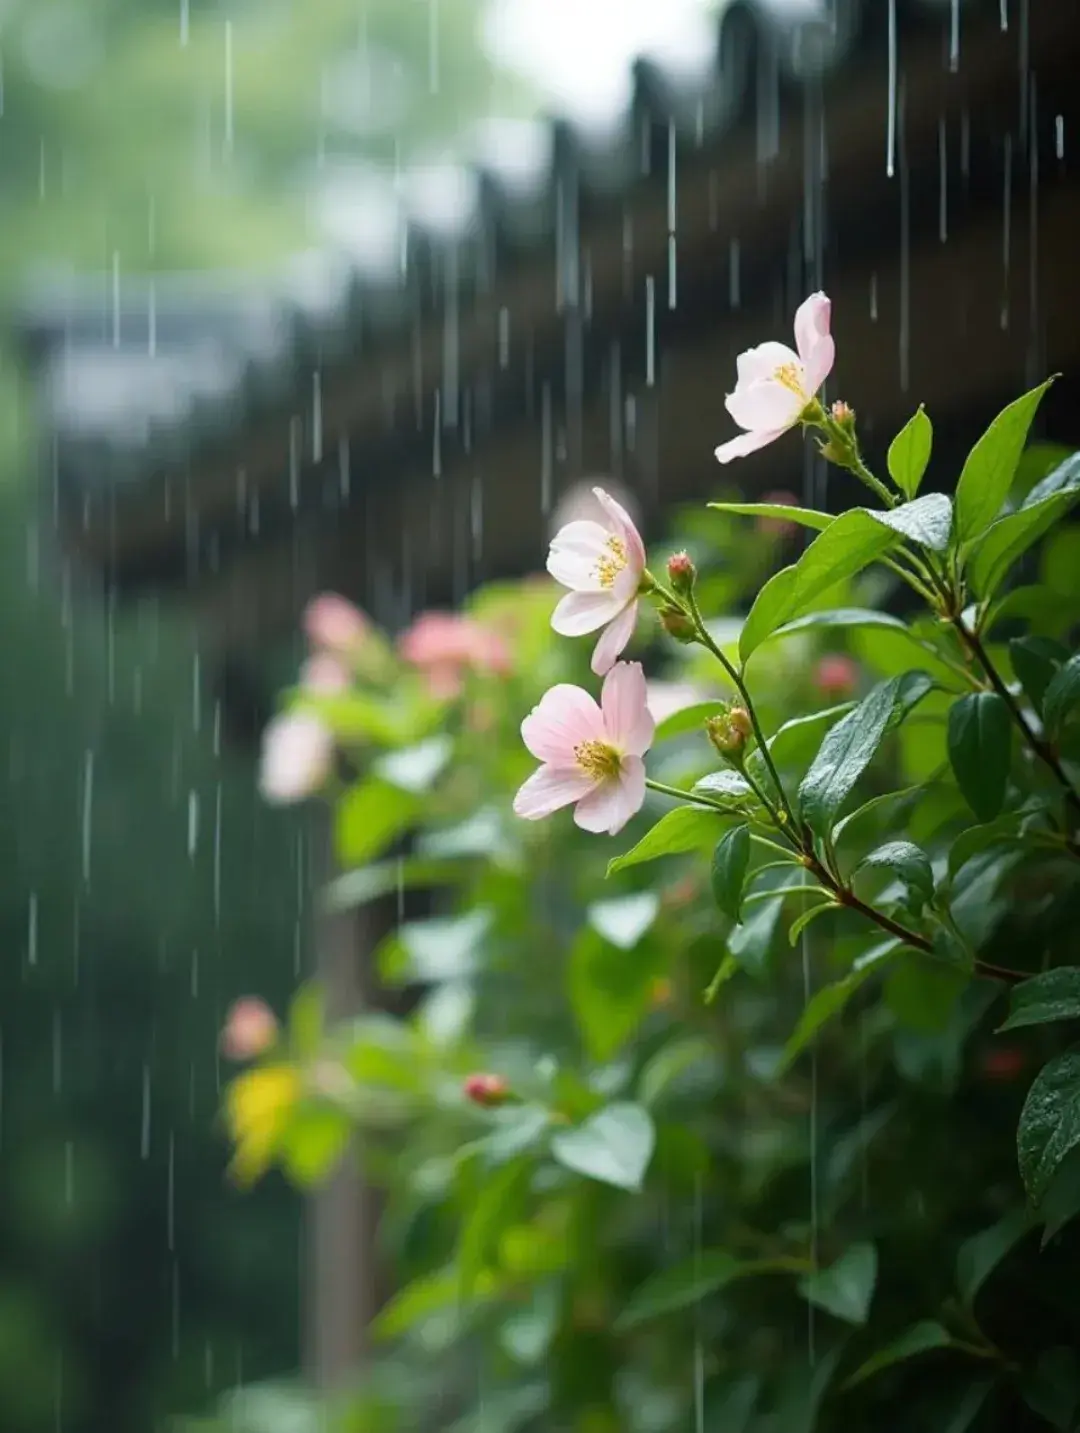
(1054, 995)
(669, 1063)
(909, 452)
(610, 990)
(841, 617)
(922, 992)
(991, 465)
(729, 863)
(370, 817)
(314, 1143)
(307, 1018)
(723, 785)
(1006, 540)
(749, 943)
(624, 920)
(689, 1282)
(445, 948)
(1036, 661)
(851, 543)
(831, 999)
(1050, 1122)
(691, 718)
(908, 863)
(844, 755)
(922, 1338)
(1053, 1390)
(928, 520)
(1062, 696)
(979, 1256)
(806, 517)
(613, 1146)
(980, 740)
(874, 804)
(434, 1293)
(687, 828)
(416, 768)
(846, 1287)
(488, 1211)
(799, 924)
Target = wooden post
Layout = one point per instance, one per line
(342, 1218)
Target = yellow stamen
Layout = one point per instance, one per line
(612, 561)
(597, 759)
(789, 377)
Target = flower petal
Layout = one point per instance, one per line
(611, 805)
(581, 612)
(767, 404)
(624, 703)
(549, 789)
(623, 524)
(747, 443)
(762, 362)
(814, 341)
(565, 716)
(613, 639)
(574, 553)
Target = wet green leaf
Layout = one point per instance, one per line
(1062, 696)
(908, 863)
(928, 520)
(922, 1338)
(909, 452)
(689, 1282)
(831, 999)
(844, 755)
(1050, 1122)
(370, 817)
(1036, 661)
(1053, 1388)
(1006, 540)
(980, 740)
(1053, 995)
(687, 828)
(782, 512)
(729, 863)
(991, 465)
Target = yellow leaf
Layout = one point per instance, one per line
(257, 1108)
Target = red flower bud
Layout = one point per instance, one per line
(486, 1090)
(1004, 1063)
(681, 572)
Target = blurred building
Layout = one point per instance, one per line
(398, 415)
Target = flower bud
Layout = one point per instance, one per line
(677, 624)
(334, 624)
(843, 416)
(682, 573)
(729, 732)
(486, 1090)
(836, 676)
(250, 1029)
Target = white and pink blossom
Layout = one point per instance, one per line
(333, 624)
(297, 757)
(775, 385)
(602, 563)
(590, 755)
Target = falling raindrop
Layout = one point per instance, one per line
(185, 18)
(227, 143)
(734, 274)
(170, 1195)
(943, 183)
(192, 823)
(954, 36)
(650, 331)
(57, 1052)
(890, 138)
(672, 211)
(32, 930)
(87, 813)
(1059, 136)
(144, 1121)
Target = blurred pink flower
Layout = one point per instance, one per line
(602, 564)
(485, 1090)
(444, 645)
(334, 624)
(590, 754)
(297, 755)
(836, 675)
(324, 675)
(778, 526)
(775, 385)
(250, 1029)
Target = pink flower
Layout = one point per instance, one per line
(836, 675)
(602, 564)
(590, 754)
(250, 1029)
(333, 624)
(486, 1090)
(444, 645)
(297, 755)
(324, 675)
(775, 385)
